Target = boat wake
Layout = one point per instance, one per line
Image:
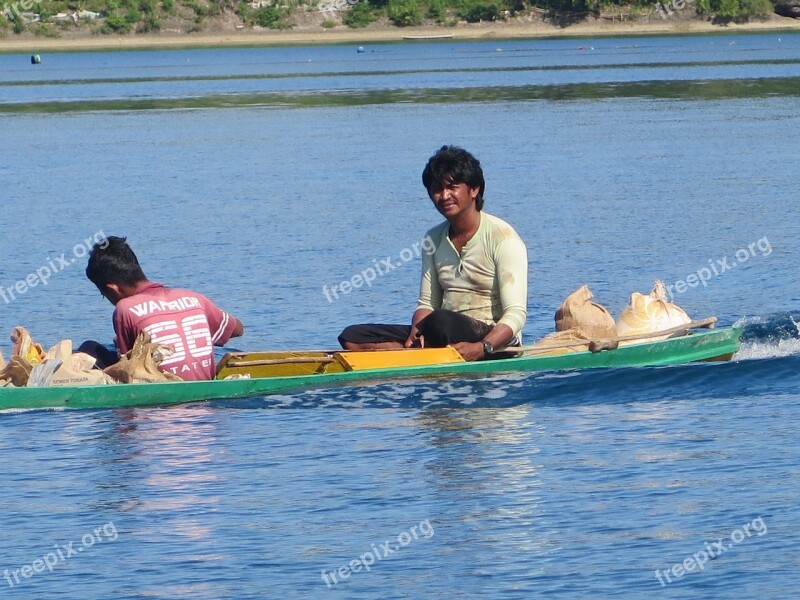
(770, 336)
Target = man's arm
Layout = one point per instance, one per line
(223, 326)
(430, 298)
(125, 334)
(512, 274)
(430, 290)
(238, 329)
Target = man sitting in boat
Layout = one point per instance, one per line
(186, 321)
(474, 286)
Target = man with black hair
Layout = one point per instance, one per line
(186, 321)
(474, 287)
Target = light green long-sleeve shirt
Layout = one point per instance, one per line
(488, 281)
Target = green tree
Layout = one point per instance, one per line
(244, 13)
(755, 10)
(725, 10)
(132, 16)
(703, 7)
(405, 13)
(115, 23)
(199, 9)
(360, 15)
(151, 23)
(272, 17)
(267, 16)
(437, 10)
(473, 11)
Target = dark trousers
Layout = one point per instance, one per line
(104, 356)
(440, 328)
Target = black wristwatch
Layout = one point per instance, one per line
(488, 348)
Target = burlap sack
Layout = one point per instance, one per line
(24, 355)
(61, 367)
(16, 372)
(140, 364)
(650, 314)
(578, 314)
(567, 336)
(24, 346)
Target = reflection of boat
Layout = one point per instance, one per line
(278, 372)
(445, 36)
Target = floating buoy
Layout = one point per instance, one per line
(35, 59)
(360, 50)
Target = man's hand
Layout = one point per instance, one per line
(415, 340)
(470, 350)
(499, 336)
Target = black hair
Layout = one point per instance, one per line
(112, 261)
(452, 164)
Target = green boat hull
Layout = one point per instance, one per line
(706, 345)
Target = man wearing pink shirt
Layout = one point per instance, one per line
(186, 321)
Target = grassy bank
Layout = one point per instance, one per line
(376, 33)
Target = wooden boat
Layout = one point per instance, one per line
(282, 372)
(418, 38)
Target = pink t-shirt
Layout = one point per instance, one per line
(186, 321)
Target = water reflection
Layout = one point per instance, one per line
(694, 89)
(173, 452)
(161, 469)
(484, 464)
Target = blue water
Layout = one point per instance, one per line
(192, 73)
(562, 485)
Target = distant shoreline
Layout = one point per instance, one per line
(591, 28)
